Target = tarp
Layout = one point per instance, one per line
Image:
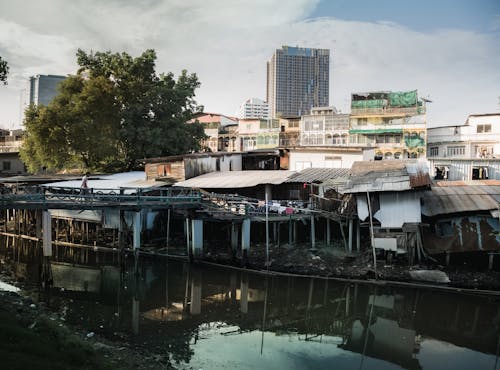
(414, 141)
(403, 99)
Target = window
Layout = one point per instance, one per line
(6, 166)
(434, 151)
(483, 128)
(453, 151)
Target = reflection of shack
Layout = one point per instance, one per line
(383, 337)
(462, 217)
(389, 191)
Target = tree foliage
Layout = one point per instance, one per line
(4, 71)
(116, 111)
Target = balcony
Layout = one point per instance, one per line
(10, 147)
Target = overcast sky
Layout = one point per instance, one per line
(448, 49)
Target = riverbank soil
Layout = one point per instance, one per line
(333, 261)
(32, 336)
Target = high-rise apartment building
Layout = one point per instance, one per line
(42, 89)
(254, 108)
(297, 80)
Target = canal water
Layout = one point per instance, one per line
(204, 317)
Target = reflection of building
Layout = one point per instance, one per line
(254, 108)
(297, 80)
(384, 337)
(392, 122)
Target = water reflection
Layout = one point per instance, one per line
(208, 318)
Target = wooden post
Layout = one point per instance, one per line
(350, 235)
(328, 233)
(490, 262)
(39, 217)
(188, 244)
(290, 229)
(371, 233)
(358, 236)
(47, 234)
(313, 233)
(234, 237)
(294, 227)
(168, 228)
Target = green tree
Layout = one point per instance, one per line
(4, 71)
(116, 111)
(79, 128)
(154, 108)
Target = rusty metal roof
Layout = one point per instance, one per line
(389, 175)
(236, 179)
(443, 200)
(318, 175)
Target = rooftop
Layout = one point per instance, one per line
(236, 179)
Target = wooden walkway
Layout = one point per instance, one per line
(98, 199)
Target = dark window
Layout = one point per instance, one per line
(6, 166)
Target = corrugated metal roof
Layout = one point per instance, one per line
(391, 175)
(463, 198)
(235, 179)
(134, 179)
(310, 175)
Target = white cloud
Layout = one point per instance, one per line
(227, 43)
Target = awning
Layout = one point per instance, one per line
(378, 131)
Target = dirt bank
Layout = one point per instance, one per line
(334, 262)
(35, 336)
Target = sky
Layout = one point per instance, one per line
(447, 49)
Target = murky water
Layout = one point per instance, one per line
(213, 318)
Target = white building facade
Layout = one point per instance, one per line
(478, 137)
(254, 108)
(324, 127)
(466, 152)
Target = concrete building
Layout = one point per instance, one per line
(394, 123)
(222, 132)
(254, 108)
(42, 89)
(478, 137)
(466, 152)
(326, 157)
(10, 143)
(297, 80)
(258, 134)
(324, 127)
